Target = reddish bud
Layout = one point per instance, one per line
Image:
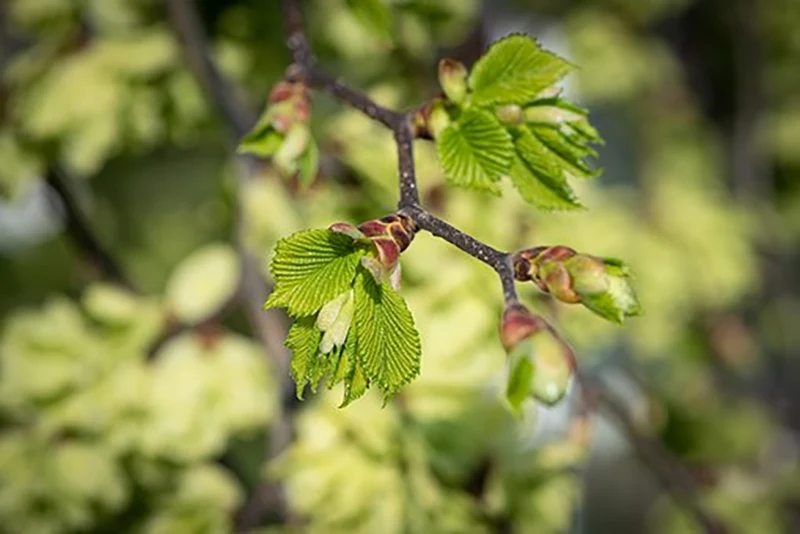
(518, 324)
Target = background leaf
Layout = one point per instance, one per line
(203, 282)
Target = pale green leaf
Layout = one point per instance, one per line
(475, 151)
(202, 283)
(303, 340)
(514, 71)
(348, 369)
(539, 175)
(310, 269)
(386, 338)
(375, 16)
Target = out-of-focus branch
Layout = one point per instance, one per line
(80, 231)
(189, 30)
(269, 326)
(671, 474)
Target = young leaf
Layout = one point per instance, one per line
(475, 151)
(386, 339)
(541, 191)
(539, 175)
(310, 269)
(355, 383)
(619, 299)
(303, 340)
(514, 71)
(375, 16)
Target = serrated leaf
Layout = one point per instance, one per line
(540, 191)
(310, 269)
(514, 71)
(303, 340)
(355, 382)
(375, 16)
(386, 340)
(539, 175)
(475, 151)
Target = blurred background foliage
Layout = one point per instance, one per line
(114, 418)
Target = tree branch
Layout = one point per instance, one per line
(80, 231)
(671, 474)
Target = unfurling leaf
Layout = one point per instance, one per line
(475, 151)
(453, 79)
(311, 268)
(515, 70)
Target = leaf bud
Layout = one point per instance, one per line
(540, 363)
(453, 79)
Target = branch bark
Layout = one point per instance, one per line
(80, 231)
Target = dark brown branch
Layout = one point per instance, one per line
(497, 260)
(80, 231)
(671, 474)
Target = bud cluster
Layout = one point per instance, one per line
(388, 237)
(283, 131)
(601, 284)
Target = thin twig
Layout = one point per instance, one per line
(80, 231)
(671, 474)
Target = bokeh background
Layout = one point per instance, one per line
(136, 396)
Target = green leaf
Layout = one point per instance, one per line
(303, 340)
(386, 339)
(375, 16)
(355, 382)
(539, 175)
(310, 269)
(542, 192)
(572, 155)
(514, 71)
(475, 151)
(619, 300)
(263, 140)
